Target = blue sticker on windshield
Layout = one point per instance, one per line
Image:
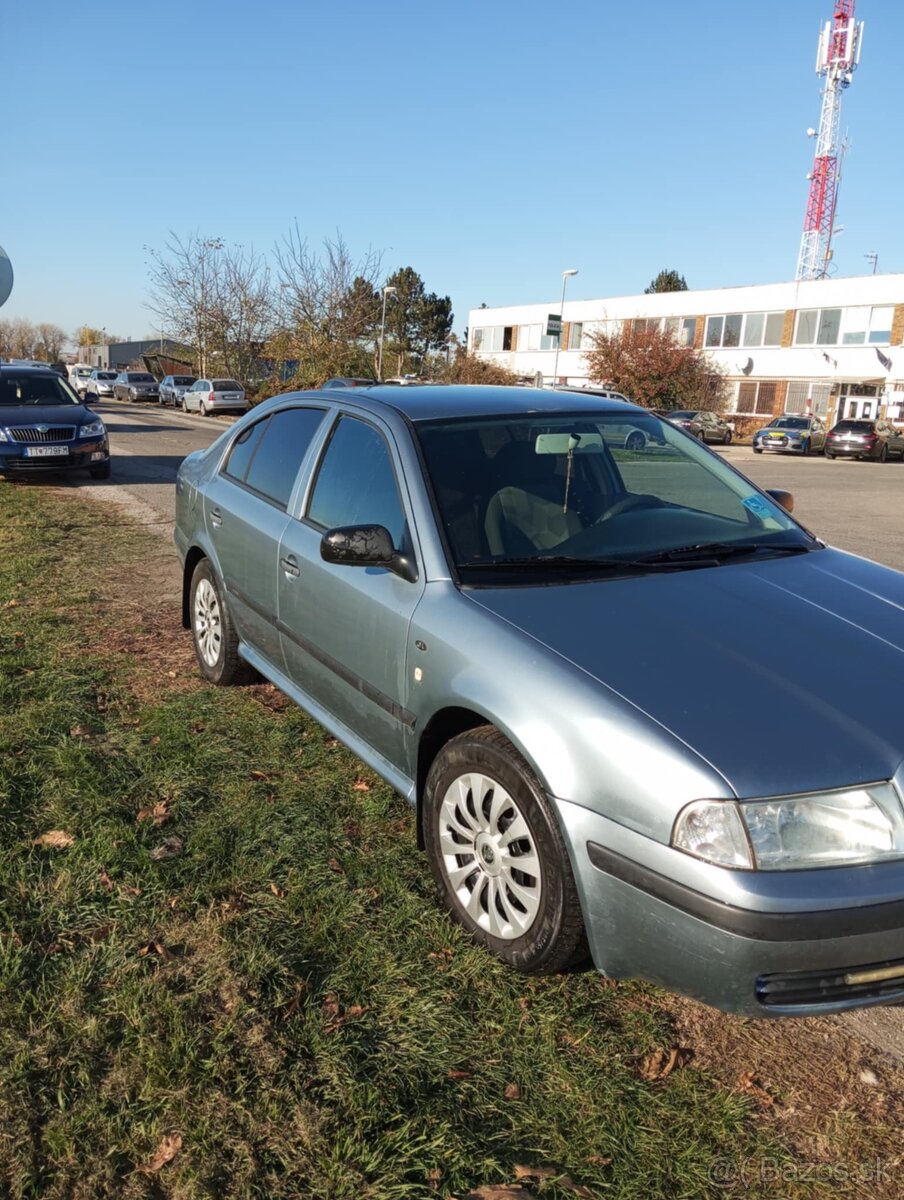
(757, 505)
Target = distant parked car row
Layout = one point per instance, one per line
(205, 396)
(790, 434)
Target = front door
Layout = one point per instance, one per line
(345, 629)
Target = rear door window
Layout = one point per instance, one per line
(226, 385)
(283, 442)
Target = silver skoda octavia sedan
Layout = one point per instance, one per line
(570, 656)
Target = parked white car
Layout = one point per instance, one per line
(208, 396)
(79, 374)
(100, 383)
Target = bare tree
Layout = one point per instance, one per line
(17, 338)
(183, 296)
(329, 306)
(49, 342)
(242, 314)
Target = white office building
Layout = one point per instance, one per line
(831, 346)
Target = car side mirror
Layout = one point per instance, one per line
(785, 499)
(365, 546)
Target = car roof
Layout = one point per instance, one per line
(22, 369)
(429, 402)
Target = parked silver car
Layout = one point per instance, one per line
(100, 383)
(173, 388)
(208, 396)
(135, 385)
(532, 633)
(791, 434)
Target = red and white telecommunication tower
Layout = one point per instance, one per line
(837, 58)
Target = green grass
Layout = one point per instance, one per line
(208, 994)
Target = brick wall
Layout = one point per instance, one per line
(788, 328)
(897, 325)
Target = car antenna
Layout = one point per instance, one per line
(574, 440)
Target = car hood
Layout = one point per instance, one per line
(786, 675)
(45, 414)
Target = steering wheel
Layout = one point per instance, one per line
(625, 503)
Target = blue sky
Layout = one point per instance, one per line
(489, 144)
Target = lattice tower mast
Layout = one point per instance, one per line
(837, 57)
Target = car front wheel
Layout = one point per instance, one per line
(215, 640)
(497, 854)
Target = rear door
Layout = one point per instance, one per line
(245, 509)
(345, 629)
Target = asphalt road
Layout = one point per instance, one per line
(858, 506)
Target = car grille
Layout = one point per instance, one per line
(56, 433)
(831, 985)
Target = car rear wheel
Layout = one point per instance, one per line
(701, 436)
(883, 453)
(497, 854)
(757, 450)
(726, 440)
(635, 441)
(215, 640)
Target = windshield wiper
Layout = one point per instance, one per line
(717, 551)
(566, 562)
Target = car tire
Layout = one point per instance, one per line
(757, 450)
(213, 634)
(726, 440)
(805, 448)
(532, 919)
(205, 411)
(101, 472)
(829, 454)
(184, 405)
(883, 453)
(635, 441)
(701, 437)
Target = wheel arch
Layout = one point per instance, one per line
(445, 724)
(193, 557)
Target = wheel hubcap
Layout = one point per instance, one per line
(208, 622)
(489, 856)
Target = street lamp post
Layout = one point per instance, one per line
(388, 288)
(555, 369)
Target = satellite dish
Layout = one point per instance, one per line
(747, 367)
(6, 276)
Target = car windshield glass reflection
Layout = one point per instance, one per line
(615, 489)
(35, 389)
(790, 423)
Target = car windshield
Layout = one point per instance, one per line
(43, 388)
(186, 379)
(83, 372)
(853, 427)
(106, 374)
(682, 416)
(226, 385)
(789, 423)
(140, 377)
(584, 490)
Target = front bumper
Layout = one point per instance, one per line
(780, 447)
(777, 949)
(80, 456)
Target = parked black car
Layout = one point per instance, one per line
(135, 385)
(864, 439)
(702, 424)
(44, 426)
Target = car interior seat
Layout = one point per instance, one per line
(527, 513)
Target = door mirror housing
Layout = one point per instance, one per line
(365, 546)
(785, 499)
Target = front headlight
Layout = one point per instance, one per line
(825, 829)
(3, 436)
(93, 429)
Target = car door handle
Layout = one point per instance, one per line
(216, 517)
(290, 565)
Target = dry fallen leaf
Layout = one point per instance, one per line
(512, 1091)
(155, 948)
(361, 785)
(660, 1063)
(599, 1160)
(295, 1003)
(576, 1189)
(458, 1074)
(434, 1175)
(522, 1172)
(158, 813)
(12, 603)
(277, 891)
(505, 1191)
(747, 1082)
(54, 839)
(106, 881)
(259, 775)
(80, 731)
(171, 848)
(155, 740)
(335, 865)
(165, 1153)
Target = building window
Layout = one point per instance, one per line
(507, 337)
(489, 339)
(725, 331)
(529, 337)
(803, 396)
(575, 335)
(864, 324)
(756, 397)
(682, 329)
(714, 326)
(820, 327)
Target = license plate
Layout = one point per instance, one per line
(46, 451)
